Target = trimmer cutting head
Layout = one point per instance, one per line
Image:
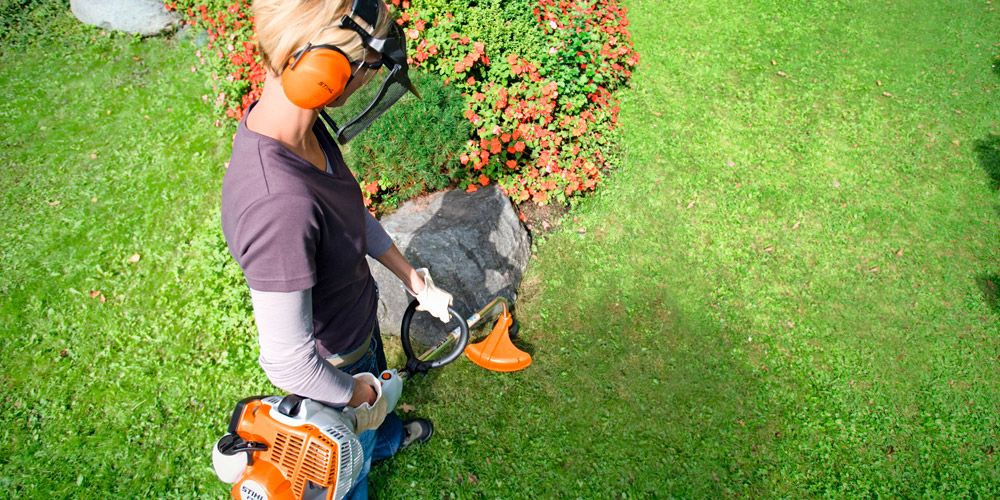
(496, 352)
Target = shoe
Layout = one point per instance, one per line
(418, 430)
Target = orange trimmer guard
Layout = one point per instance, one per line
(497, 352)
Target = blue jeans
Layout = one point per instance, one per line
(381, 443)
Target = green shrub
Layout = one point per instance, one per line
(537, 78)
(502, 26)
(414, 147)
(26, 21)
(539, 93)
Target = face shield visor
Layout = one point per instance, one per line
(371, 101)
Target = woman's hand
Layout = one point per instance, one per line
(368, 415)
(363, 393)
(431, 298)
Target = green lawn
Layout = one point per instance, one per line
(109, 152)
(789, 288)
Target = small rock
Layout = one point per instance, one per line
(142, 17)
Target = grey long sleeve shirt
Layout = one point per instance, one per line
(287, 349)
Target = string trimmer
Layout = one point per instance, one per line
(292, 447)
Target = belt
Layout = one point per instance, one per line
(344, 359)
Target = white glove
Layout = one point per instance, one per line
(366, 416)
(432, 299)
(392, 388)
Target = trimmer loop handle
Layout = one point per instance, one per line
(415, 365)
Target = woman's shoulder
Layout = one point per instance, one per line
(262, 175)
(267, 166)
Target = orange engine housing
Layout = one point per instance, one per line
(319, 449)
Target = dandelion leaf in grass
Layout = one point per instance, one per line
(414, 147)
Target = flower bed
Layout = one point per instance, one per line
(538, 77)
(231, 56)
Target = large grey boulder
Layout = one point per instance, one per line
(473, 244)
(143, 17)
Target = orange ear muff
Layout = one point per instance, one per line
(316, 77)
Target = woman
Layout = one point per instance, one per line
(293, 217)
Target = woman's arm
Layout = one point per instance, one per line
(417, 281)
(288, 352)
(394, 261)
(382, 249)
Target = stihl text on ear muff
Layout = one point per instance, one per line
(316, 76)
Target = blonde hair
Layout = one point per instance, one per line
(283, 26)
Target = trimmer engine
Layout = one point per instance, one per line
(292, 447)
(288, 448)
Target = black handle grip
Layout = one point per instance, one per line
(414, 365)
(289, 405)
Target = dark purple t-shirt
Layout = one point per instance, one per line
(291, 227)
